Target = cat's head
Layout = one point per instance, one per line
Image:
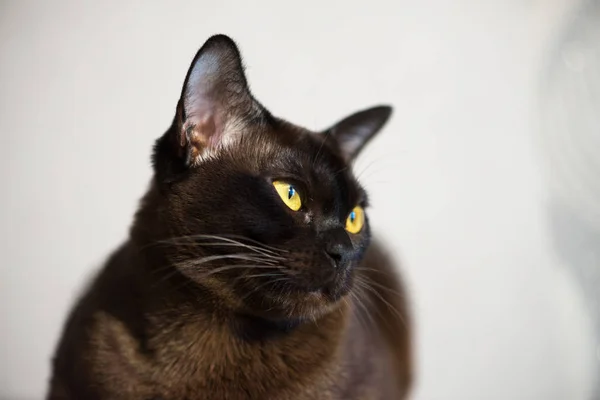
(265, 214)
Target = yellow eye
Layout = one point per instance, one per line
(288, 194)
(355, 220)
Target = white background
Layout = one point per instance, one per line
(455, 179)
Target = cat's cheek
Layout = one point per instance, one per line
(270, 231)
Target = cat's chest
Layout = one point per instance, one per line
(352, 369)
(219, 367)
(189, 363)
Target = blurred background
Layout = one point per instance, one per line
(486, 183)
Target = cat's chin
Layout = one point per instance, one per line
(301, 305)
(310, 303)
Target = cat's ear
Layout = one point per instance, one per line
(215, 102)
(354, 131)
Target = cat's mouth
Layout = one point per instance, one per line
(332, 291)
(329, 288)
(302, 300)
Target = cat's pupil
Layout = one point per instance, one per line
(291, 192)
(352, 216)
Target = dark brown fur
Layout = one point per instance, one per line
(162, 322)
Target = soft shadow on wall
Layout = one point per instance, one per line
(570, 139)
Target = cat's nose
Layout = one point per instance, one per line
(335, 254)
(337, 246)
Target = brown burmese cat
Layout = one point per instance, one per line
(249, 272)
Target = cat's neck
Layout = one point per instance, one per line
(258, 355)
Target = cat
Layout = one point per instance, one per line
(249, 271)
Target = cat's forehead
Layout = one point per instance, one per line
(311, 157)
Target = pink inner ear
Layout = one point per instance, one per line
(204, 127)
(214, 91)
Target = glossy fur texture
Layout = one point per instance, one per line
(222, 291)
